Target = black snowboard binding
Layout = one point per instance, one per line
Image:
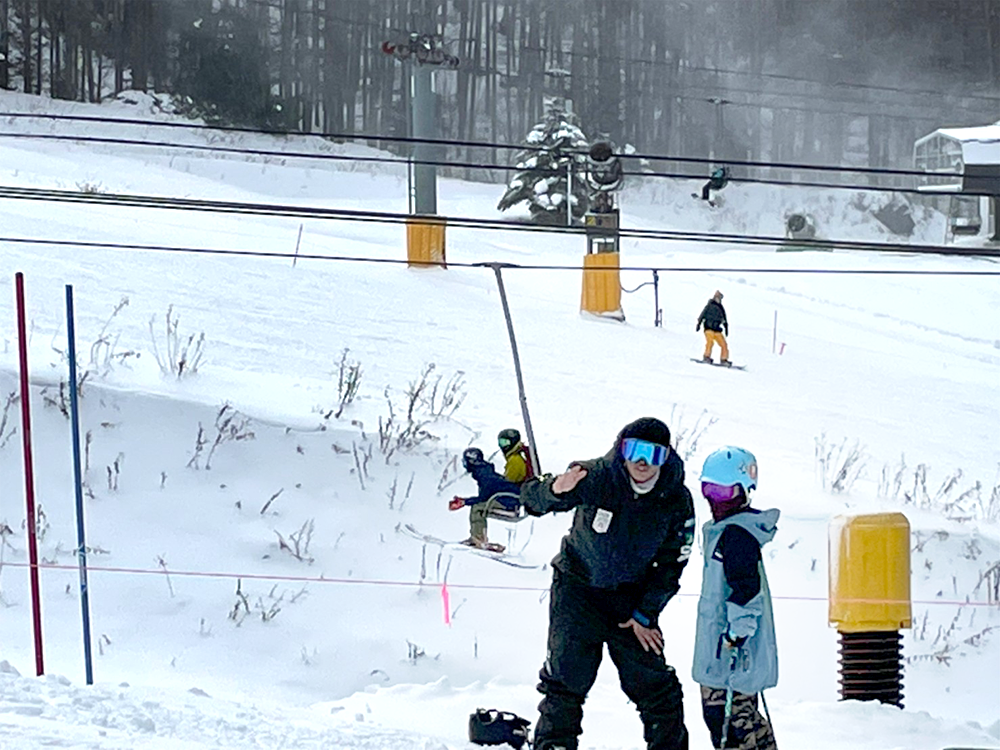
(492, 727)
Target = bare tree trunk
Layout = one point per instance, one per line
(400, 110)
(285, 85)
(87, 90)
(99, 84)
(355, 50)
(991, 14)
(608, 71)
(366, 72)
(631, 101)
(377, 73)
(118, 32)
(40, 48)
(509, 24)
(57, 76)
(477, 64)
(4, 44)
(465, 71)
(491, 78)
(578, 64)
(88, 61)
(533, 60)
(313, 106)
(334, 43)
(136, 20)
(74, 51)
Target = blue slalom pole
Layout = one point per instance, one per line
(78, 482)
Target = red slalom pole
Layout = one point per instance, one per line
(29, 477)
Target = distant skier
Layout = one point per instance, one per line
(713, 317)
(718, 180)
(518, 466)
(494, 492)
(735, 652)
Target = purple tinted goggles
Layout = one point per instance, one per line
(720, 493)
(635, 450)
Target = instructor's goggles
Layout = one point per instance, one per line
(720, 493)
(635, 450)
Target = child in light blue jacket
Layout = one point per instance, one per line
(736, 654)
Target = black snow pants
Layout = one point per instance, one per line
(712, 184)
(581, 620)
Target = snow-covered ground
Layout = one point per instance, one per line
(208, 631)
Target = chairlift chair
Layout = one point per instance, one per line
(500, 513)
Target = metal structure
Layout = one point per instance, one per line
(604, 178)
(532, 443)
(870, 603)
(971, 158)
(426, 49)
(424, 52)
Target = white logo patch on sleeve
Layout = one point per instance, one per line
(602, 520)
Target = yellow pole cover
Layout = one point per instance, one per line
(870, 573)
(602, 289)
(425, 241)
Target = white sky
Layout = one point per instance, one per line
(906, 366)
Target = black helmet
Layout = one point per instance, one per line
(508, 437)
(472, 457)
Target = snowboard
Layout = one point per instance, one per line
(719, 364)
(497, 553)
(713, 202)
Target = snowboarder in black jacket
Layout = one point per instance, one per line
(713, 317)
(618, 567)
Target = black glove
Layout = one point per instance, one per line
(697, 327)
(733, 641)
(727, 330)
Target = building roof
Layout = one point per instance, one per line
(980, 145)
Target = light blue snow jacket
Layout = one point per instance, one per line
(755, 665)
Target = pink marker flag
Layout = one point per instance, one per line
(445, 600)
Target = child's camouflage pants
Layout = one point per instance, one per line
(748, 729)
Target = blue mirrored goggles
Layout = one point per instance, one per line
(635, 450)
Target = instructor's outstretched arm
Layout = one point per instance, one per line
(553, 494)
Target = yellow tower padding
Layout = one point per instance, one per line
(425, 241)
(602, 289)
(870, 573)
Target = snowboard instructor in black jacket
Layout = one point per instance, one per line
(618, 567)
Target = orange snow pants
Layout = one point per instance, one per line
(716, 337)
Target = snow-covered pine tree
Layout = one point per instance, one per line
(541, 176)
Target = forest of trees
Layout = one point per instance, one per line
(836, 82)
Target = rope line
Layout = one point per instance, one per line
(419, 584)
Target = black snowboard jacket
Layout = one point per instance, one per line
(641, 548)
(713, 317)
